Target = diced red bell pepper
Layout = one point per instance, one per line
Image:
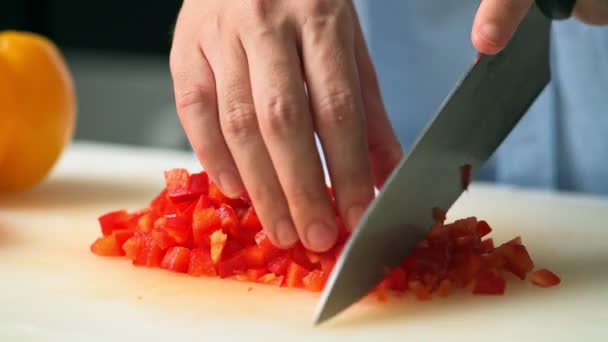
(107, 246)
(121, 236)
(544, 278)
(201, 263)
(159, 203)
(466, 268)
(298, 255)
(205, 221)
(462, 227)
(176, 259)
(421, 291)
(218, 241)
(177, 182)
(199, 184)
(179, 228)
(271, 279)
(487, 245)
(515, 241)
(444, 288)
(518, 259)
(134, 245)
(465, 243)
(232, 247)
(216, 195)
(250, 221)
(150, 255)
(295, 274)
(114, 220)
(397, 279)
(381, 292)
(163, 239)
(255, 256)
(493, 260)
(235, 265)
(279, 265)
(483, 228)
(315, 281)
(203, 203)
(254, 273)
(489, 283)
(231, 225)
(145, 223)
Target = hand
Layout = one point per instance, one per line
(254, 81)
(497, 20)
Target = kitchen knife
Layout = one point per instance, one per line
(472, 122)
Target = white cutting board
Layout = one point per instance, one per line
(53, 289)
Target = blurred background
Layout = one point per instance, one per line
(118, 52)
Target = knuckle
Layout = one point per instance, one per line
(239, 121)
(306, 199)
(320, 8)
(199, 93)
(337, 109)
(280, 116)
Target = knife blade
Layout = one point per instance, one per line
(472, 122)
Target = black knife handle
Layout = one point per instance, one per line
(556, 9)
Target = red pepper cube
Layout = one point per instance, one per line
(250, 221)
(295, 275)
(177, 182)
(483, 228)
(134, 245)
(518, 260)
(315, 281)
(162, 238)
(114, 220)
(544, 278)
(107, 246)
(397, 279)
(487, 245)
(489, 283)
(201, 263)
(205, 221)
(179, 228)
(176, 259)
(216, 195)
(199, 183)
(279, 265)
(233, 266)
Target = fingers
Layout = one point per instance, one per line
(242, 133)
(287, 128)
(384, 148)
(495, 23)
(335, 96)
(196, 103)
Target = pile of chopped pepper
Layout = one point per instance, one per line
(192, 227)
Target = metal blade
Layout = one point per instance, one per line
(474, 120)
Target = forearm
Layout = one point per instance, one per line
(594, 12)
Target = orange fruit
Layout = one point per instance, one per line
(37, 108)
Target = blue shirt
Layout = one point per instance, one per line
(422, 47)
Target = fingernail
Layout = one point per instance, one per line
(492, 33)
(354, 215)
(230, 184)
(321, 237)
(286, 233)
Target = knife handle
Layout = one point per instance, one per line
(556, 9)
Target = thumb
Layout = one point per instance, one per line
(495, 23)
